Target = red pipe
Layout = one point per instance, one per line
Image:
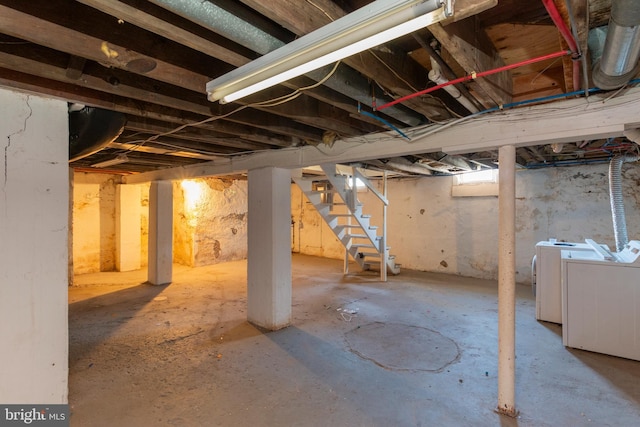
(474, 76)
(562, 27)
(568, 37)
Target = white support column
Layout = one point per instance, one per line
(384, 254)
(34, 221)
(160, 233)
(507, 281)
(269, 251)
(128, 236)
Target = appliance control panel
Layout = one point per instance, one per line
(631, 253)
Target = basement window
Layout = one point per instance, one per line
(360, 185)
(475, 184)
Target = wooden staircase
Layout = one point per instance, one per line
(335, 197)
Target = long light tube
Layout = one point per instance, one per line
(369, 26)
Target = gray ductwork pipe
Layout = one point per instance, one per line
(345, 81)
(619, 61)
(617, 201)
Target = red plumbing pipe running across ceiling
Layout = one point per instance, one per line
(476, 75)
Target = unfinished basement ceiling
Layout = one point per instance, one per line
(151, 60)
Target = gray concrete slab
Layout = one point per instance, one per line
(420, 350)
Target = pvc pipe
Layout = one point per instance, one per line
(474, 76)
(507, 280)
(438, 78)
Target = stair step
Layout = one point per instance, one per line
(363, 246)
(324, 205)
(369, 254)
(317, 178)
(331, 190)
(361, 238)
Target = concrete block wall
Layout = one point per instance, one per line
(429, 230)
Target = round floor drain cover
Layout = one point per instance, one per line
(403, 347)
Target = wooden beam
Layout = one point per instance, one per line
(465, 8)
(17, 24)
(180, 35)
(75, 67)
(149, 96)
(568, 121)
(39, 31)
(140, 128)
(382, 67)
(166, 29)
(470, 46)
(73, 93)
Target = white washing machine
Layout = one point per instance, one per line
(601, 300)
(547, 278)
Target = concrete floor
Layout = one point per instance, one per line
(420, 350)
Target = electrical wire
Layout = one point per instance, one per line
(475, 75)
(263, 104)
(432, 129)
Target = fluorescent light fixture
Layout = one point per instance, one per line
(120, 158)
(367, 27)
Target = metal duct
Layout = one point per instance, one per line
(91, 129)
(619, 62)
(401, 164)
(617, 201)
(345, 80)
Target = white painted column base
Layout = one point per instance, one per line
(269, 251)
(160, 233)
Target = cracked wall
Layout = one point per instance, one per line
(34, 194)
(208, 230)
(210, 221)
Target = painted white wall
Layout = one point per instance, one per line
(34, 195)
(430, 230)
(94, 216)
(94, 222)
(128, 220)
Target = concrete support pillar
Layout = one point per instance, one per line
(128, 236)
(34, 221)
(507, 281)
(269, 251)
(160, 233)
